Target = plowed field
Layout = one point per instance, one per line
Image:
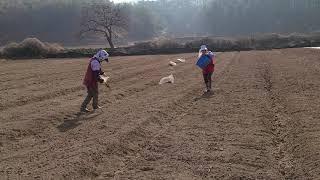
(262, 120)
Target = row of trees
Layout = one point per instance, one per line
(65, 21)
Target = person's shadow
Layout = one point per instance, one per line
(205, 95)
(71, 122)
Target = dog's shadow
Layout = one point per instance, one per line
(73, 121)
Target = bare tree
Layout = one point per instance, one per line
(104, 18)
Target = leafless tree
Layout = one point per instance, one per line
(104, 18)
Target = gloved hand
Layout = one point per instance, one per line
(101, 73)
(100, 80)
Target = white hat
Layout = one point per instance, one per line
(101, 55)
(203, 48)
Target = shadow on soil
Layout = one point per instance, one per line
(71, 122)
(206, 95)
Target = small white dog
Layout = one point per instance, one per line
(181, 60)
(169, 79)
(171, 63)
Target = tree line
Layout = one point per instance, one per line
(63, 20)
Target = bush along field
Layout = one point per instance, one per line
(34, 48)
(30, 48)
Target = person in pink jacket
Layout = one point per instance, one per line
(91, 79)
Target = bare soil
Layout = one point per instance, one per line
(262, 120)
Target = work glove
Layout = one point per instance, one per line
(100, 80)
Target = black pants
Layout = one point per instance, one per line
(208, 80)
(92, 94)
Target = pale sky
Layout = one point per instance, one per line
(118, 1)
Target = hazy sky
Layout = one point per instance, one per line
(118, 1)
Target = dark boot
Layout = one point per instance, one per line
(85, 110)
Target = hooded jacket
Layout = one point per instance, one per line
(92, 75)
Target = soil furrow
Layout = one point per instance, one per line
(261, 122)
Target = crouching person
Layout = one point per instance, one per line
(92, 78)
(209, 69)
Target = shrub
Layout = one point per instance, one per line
(218, 43)
(30, 47)
(144, 45)
(166, 43)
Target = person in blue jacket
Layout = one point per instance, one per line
(209, 69)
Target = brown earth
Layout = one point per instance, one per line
(261, 122)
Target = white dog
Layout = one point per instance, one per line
(169, 79)
(171, 63)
